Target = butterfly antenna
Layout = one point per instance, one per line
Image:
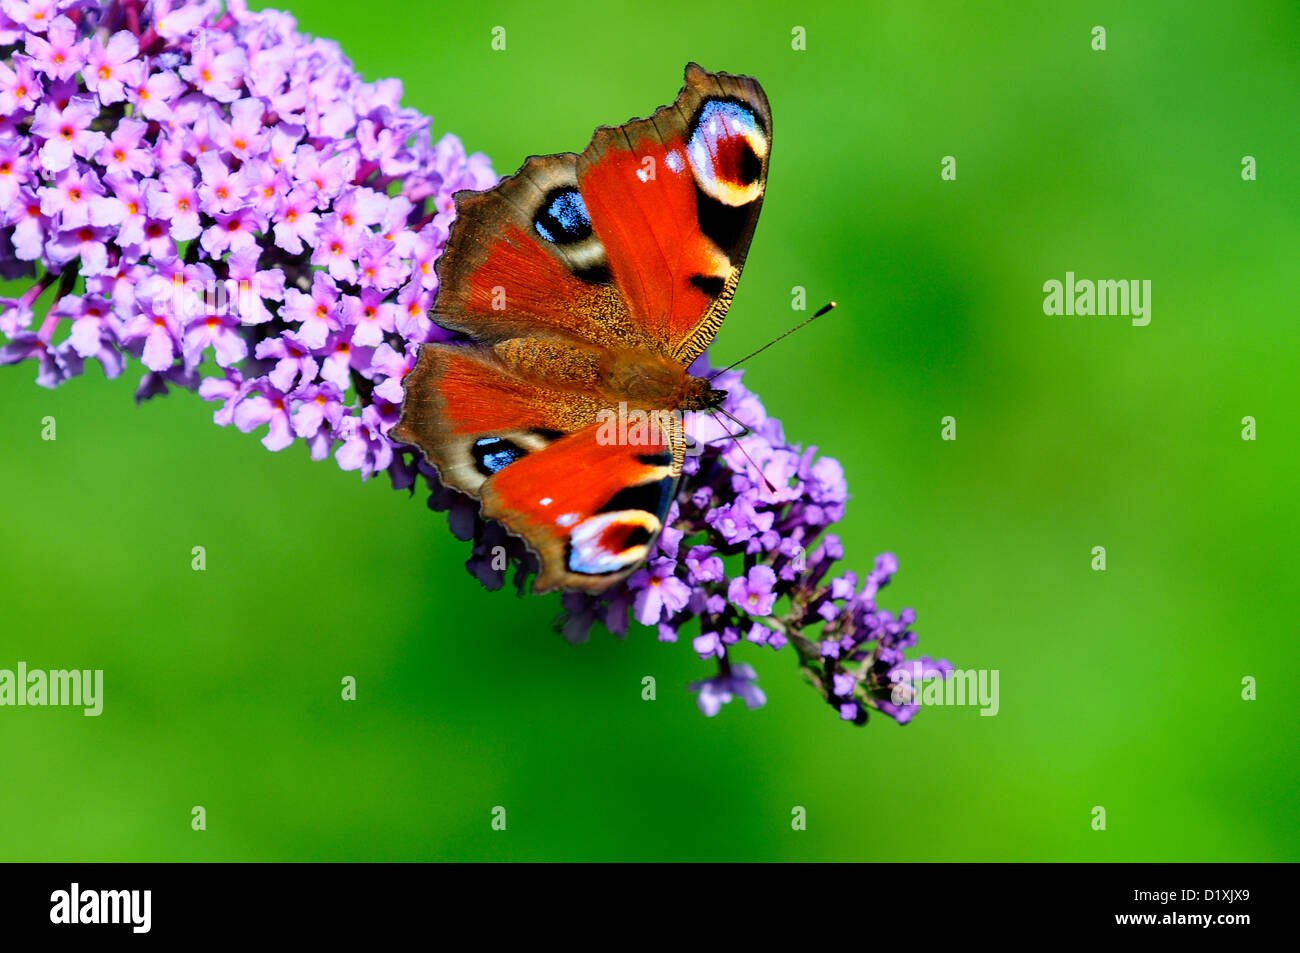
(824, 310)
(771, 487)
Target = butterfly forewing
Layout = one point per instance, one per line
(674, 200)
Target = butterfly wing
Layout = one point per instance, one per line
(593, 532)
(639, 241)
(501, 438)
(522, 262)
(674, 200)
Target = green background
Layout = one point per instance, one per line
(1119, 689)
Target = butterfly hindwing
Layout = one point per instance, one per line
(459, 397)
(589, 532)
(503, 439)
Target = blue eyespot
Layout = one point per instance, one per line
(563, 218)
(493, 454)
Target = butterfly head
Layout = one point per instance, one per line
(700, 396)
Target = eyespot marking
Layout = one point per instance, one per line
(610, 542)
(562, 218)
(494, 454)
(727, 150)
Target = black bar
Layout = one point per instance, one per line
(898, 904)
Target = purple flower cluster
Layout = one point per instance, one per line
(745, 557)
(222, 198)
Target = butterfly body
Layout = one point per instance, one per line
(647, 380)
(588, 284)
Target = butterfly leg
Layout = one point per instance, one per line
(745, 429)
(736, 437)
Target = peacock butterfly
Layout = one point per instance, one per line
(588, 284)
